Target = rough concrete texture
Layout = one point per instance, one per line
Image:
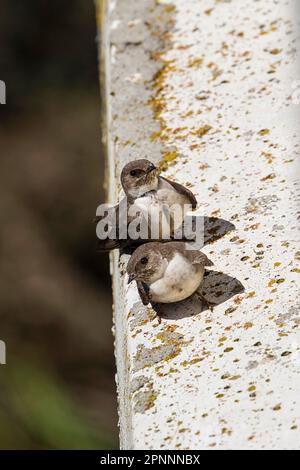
(205, 89)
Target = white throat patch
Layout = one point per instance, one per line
(146, 188)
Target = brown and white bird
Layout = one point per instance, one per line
(162, 203)
(167, 272)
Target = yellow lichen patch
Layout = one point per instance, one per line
(203, 166)
(230, 310)
(275, 51)
(187, 114)
(172, 370)
(225, 376)
(228, 350)
(195, 62)
(166, 334)
(235, 377)
(156, 55)
(177, 129)
(248, 325)
(168, 158)
(144, 398)
(269, 156)
(169, 8)
(223, 338)
(277, 264)
(275, 281)
(271, 28)
(192, 361)
(215, 70)
(183, 430)
(251, 294)
(171, 347)
(238, 299)
(202, 131)
(150, 402)
(295, 270)
(183, 47)
(159, 104)
(271, 176)
(155, 135)
(226, 431)
(263, 132)
(254, 226)
(277, 407)
(216, 213)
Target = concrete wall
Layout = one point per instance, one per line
(207, 90)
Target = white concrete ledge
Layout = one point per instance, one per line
(205, 89)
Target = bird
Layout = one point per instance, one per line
(160, 203)
(167, 272)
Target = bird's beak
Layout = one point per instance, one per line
(131, 278)
(151, 168)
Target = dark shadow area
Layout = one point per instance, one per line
(208, 229)
(216, 228)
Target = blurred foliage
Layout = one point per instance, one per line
(57, 389)
(53, 421)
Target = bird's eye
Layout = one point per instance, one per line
(133, 173)
(144, 260)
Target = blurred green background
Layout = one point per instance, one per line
(57, 389)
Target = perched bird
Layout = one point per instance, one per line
(161, 203)
(167, 272)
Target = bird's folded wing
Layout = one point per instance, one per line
(182, 190)
(197, 257)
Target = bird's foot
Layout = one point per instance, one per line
(158, 312)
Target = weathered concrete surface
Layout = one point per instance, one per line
(206, 89)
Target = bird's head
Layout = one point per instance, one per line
(146, 264)
(139, 177)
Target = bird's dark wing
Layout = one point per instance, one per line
(194, 256)
(144, 292)
(182, 190)
(197, 257)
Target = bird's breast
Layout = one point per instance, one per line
(181, 279)
(166, 207)
(167, 194)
